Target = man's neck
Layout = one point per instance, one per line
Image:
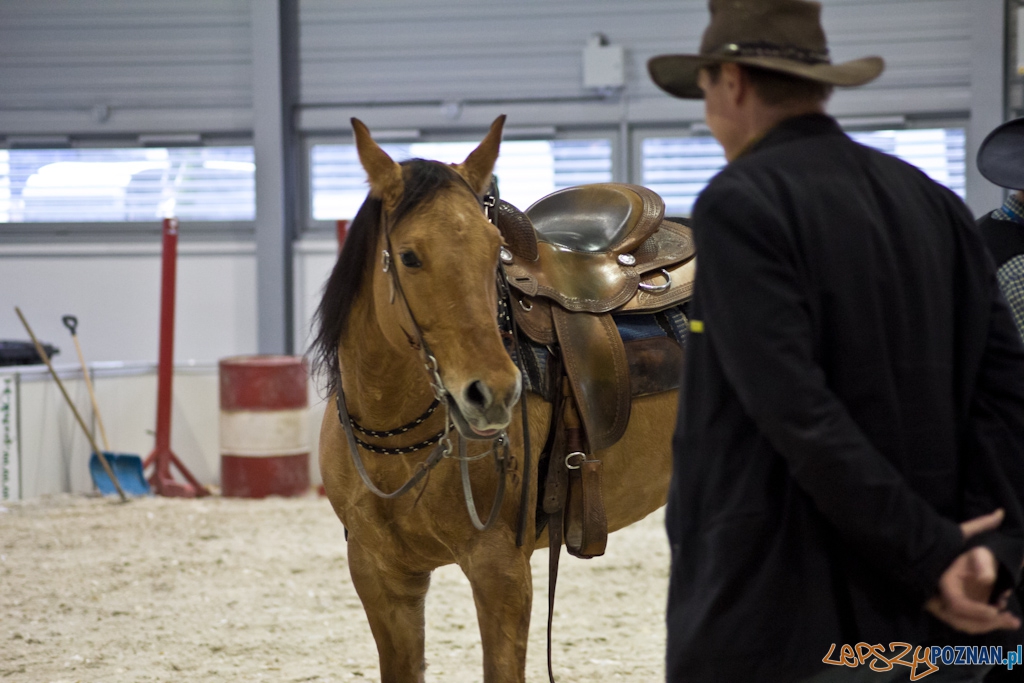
(762, 118)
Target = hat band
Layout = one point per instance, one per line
(798, 54)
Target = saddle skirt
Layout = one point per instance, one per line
(582, 262)
(652, 342)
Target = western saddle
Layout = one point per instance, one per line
(573, 260)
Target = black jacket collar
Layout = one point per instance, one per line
(802, 126)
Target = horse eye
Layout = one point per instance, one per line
(410, 259)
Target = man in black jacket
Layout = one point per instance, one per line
(847, 471)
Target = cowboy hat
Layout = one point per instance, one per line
(1001, 155)
(779, 35)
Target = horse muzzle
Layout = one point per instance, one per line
(479, 412)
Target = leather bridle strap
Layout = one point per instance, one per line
(554, 552)
(500, 462)
(408, 426)
(491, 202)
(554, 503)
(443, 447)
(424, 467)
(524, 493)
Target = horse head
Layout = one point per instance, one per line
(423, 252)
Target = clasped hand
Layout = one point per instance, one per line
(965, 588)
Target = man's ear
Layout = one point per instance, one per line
(384, 174)
(736, 81)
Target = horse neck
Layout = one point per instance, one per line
(385, 386)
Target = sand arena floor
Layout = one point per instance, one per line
(239, 590)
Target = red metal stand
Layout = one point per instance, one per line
(162, 481)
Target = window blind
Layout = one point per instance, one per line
(526, 170)
(131, 184)
(678, 168)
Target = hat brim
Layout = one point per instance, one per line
(1001, 155)
(677, 74)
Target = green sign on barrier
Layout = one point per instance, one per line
(10, 458)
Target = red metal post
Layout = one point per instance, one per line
(342, 228)
(161, 480)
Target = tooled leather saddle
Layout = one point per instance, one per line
(586, 267)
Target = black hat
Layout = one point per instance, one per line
(779, 35)
(1001, 155)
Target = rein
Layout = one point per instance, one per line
(499, 448)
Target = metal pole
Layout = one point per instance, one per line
(162, 457)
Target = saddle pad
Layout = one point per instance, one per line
(669, 325)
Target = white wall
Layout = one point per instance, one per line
(54, 452)
(114, 290)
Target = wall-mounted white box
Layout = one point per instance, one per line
(603, 64)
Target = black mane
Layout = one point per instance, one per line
(422, 181)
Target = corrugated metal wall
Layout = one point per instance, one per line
(407, 52)
(186, 65)
(164, 66)
(464, 49)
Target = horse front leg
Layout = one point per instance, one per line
(393, 601)
(500, 576)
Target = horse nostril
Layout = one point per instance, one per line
(477, 394)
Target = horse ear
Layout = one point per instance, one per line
(477, 167)
(384, 174)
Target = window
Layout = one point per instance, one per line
(678, 168)
(526, 170)
(120, 185)
(939, 152)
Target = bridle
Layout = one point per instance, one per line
(444, 448)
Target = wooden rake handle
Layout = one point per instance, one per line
(71, 322)
(92, 442)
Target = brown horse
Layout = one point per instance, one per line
(417, 272)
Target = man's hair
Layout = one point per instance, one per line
(776, 88)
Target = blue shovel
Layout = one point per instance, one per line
(127, 468)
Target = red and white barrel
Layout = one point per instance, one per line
(264, 426)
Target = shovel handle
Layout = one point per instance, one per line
(70, 322)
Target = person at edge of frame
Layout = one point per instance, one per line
(1001, 161)
(852, 410)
